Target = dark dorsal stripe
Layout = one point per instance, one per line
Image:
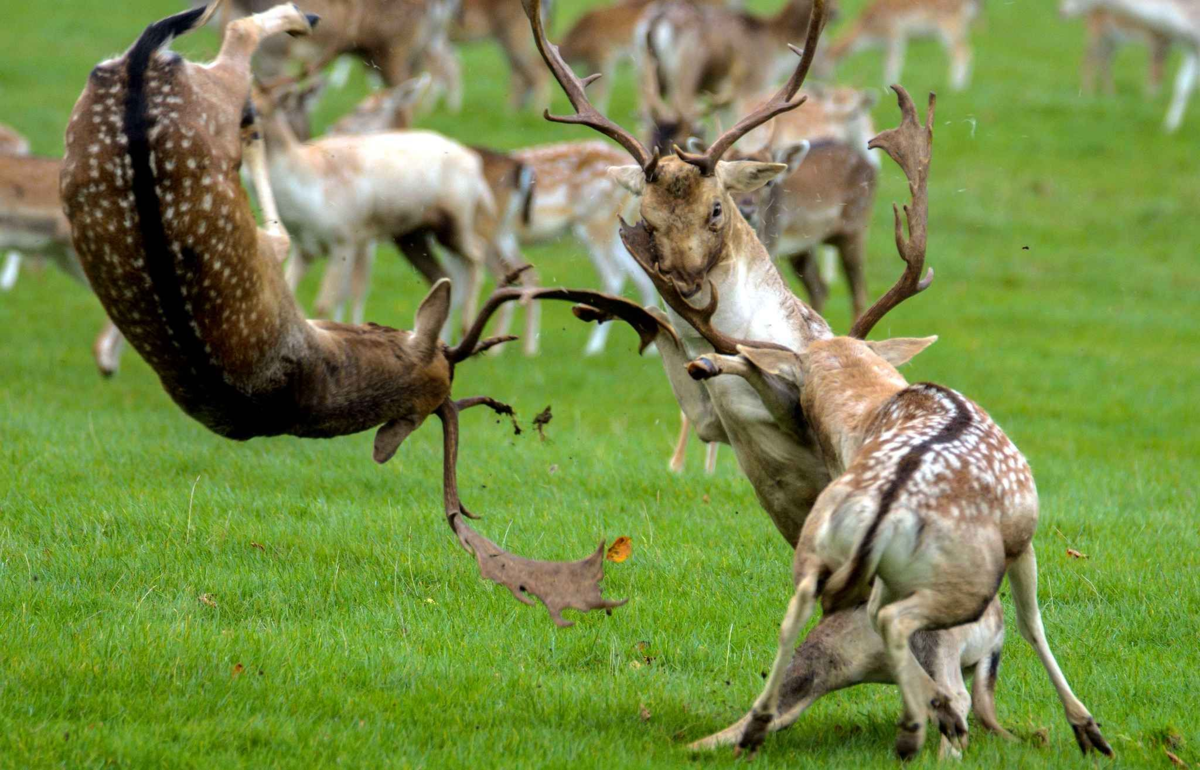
(908, 465)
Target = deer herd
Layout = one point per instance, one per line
(905, 505)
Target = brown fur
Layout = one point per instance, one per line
(504, 21)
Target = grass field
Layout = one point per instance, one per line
(1064, 236)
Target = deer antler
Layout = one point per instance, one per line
(640, 244)
(778, 104)
(558, 584)
(911, 146)
(585, 113)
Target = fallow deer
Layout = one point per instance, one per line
(165, 232)
(688, 50)
(32, 224)
(1106, 32)
(890, 24)
(696, 247)
(12, 142)
(1178, 20)
(503, 21)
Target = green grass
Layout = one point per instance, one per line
(1064, 236)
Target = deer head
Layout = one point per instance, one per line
(690, 222)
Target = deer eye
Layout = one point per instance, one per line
(716, 213)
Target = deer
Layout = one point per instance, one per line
(1106, 31)
(504, 22)
(12, 142)
(166, 235)
(1177, 20)
(696, 247)
(689, 49)
(890, 24)
(32, 223)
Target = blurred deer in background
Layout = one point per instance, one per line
(1178, 20)
(503, 21)
(166, 235)
(1106, 32)
(890, 24)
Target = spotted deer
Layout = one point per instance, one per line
(1106, 32)
(929, 505)
(166, 235)
(690, 50)
(1178, 20)
(32, 224)
(697, 248)
(890, 24)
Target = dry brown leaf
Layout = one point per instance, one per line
(207, 600)
(1041, 737)
(553, 469)
(644, 713)
(238, 670)
(705, 499)
(259, 546)
(620, 550)
(541, 421)
(1175, 760)
(1076, 554)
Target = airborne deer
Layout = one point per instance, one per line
(1178, 20)
(165, 232)
(698, 249)
(892, 23)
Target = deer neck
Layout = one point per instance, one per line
(842, 405)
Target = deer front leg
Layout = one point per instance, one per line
(1185, 81)
(273, 240)
(692, 396)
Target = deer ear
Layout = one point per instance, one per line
(747, 175)
(900, 350)
(792, 155)
(632, 178)
(431, 317)
(390, 435)
(781, 363)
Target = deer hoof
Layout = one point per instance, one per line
(702, 369)
(1088, 736)
(910, 739)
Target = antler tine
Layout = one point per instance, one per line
(778, 104)
(585, 113)
(911, 146)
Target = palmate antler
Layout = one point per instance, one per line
(559, 585)
(911, 145)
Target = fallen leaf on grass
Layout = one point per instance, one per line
(1041, 737)
(207, 600)
(259, 546)
(541, 421)
(620, 550)
(644, 713)
(1076, 554)
(705, 499)
(238, 670)
(1175, 760)
(553, 469)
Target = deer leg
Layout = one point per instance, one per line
(692, 396)
(444, 66)
(893, 65)
(805, 265)
(528, 76)
(242, 37)
(1185, 81)
(851, 247)
(107, 349)
(335, 284)
(1098, 64)
(983, 692)
(1022, 578)
(679, 456)
(598, 236)
(799, 610)
(415, 248)
(273, 240)
(959, 48)
(1160, 49)
(710, 457)
(923, 698)
(360, 280)
(8, 275)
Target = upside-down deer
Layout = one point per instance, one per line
(1178, 20)
(165, 232)
(697, 248)
(930, 504)
(688, 50)
(32, 224)
(890, 24)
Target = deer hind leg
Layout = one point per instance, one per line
(1160, 49)
(1022, 578)
(893, 64)
(360, 280)
(12, 268)
(107, 349)
(1097, 62)
(806, 267)
(958, 45)
(850, 247)
(983, 691)
(335, 284)
(679, 456)
(1185, 81)
(766, 706)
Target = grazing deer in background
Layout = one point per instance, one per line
(166, 235)
(930, 503)
(11, 141)
(32, 224)
(688, 50)
(890, 24)
(1178, 20)
(344, 193)
(1106, 31)
(503, 21)
(696, 247)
